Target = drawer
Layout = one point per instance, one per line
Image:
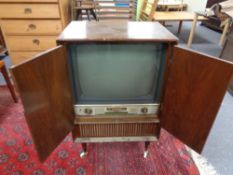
(18, 57)
(30, 27)
(29, 11)
(31, 43)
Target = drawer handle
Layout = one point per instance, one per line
(32, 26)
(27, 10)
(36, 41)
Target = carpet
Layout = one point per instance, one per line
(18, 156)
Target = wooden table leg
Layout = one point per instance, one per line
(88, 14)
(93, 14)
(8, 82)
(192, 32)
(180, 27)
(78, 14)
(224, 33)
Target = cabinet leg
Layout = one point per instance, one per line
(83, 153)
(84, 146)
(147, 143)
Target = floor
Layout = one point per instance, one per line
(219, 147)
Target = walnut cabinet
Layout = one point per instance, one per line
(193, 88)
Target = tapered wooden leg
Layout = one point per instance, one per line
(83, 153)
(147, 143)
(192, 32)
(224, 33)
(93, 14)
(84, 146)
(8, 82)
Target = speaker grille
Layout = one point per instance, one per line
(116, 130)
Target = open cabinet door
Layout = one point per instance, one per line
(44, 86)
(194, 91)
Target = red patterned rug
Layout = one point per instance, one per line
(18, 155)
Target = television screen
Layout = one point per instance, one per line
(117, 73)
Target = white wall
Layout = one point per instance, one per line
(196, 5)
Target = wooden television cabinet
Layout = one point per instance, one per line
(193, 87)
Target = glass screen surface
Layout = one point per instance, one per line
(116, 73)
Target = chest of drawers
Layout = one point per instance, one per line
(31, 26)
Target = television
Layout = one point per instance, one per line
(129, 75)
(114, 81)
(117, 83)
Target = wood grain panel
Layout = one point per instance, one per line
(45, 91)
(195, 88)
(117, 31)
(32, 27)
(31, 43)
(29, 11)
(19, 57)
